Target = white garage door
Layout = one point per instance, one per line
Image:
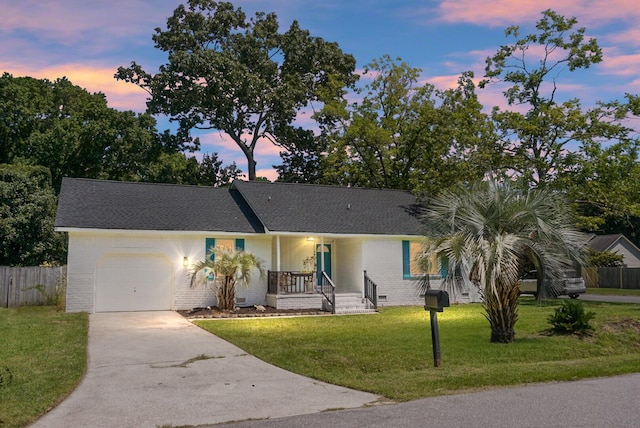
(133, 282)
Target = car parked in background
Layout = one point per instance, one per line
(572, 284)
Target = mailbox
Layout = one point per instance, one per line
(436, 300)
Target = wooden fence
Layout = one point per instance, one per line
(18, 285)
(612, 277)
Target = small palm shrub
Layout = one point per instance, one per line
(571, 318)
(231, 267)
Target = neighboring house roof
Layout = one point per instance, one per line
(102, 204)
(248, 207)
(289, 207)
(618, 244)
(604, 242)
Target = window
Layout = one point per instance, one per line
(227, 244)
(410, 269)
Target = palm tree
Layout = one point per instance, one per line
(230, 267)
(490, 232)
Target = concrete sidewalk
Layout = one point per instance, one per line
(149, 369)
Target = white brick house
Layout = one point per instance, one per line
(131, 244)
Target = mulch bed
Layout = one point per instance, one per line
(247, 312)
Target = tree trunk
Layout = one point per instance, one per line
(501, 311)
(502, 335)
(227, 294)
(252, 167)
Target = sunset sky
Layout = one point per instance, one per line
(86, 41)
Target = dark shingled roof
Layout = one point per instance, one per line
(603, 242)
(247, 207)
(102, 204)
(304, 208)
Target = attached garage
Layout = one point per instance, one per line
(133, 282)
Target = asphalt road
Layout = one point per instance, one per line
(603, 402)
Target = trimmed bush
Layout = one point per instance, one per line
(571, 318)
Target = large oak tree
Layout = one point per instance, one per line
(236, 74)
(542, 129)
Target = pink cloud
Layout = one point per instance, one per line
(620, 64)
(497, 13)
(64, 21)
(266, 148)
(442, 82)
(269, 174)
(630, 37)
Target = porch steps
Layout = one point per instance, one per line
(352, 303)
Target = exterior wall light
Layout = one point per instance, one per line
(185, 261)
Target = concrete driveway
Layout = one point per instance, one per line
(149, 369)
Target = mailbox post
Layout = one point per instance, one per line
(435, 301)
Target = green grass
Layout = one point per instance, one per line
(390, 353)
(45, 351)
(613, 292)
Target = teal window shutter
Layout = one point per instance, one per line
(210, 244)
(240, 244)
(406, 260)
(444, 267)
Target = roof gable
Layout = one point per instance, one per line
(306, 208)
(103, 204)
(603, 242)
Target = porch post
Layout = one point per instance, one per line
(278, 253)
(278, 262)
(322, 254)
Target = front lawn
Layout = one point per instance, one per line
(390, 353)
(43, 355)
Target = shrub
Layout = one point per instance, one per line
(56, 297)
(605, 259)
(571, 318)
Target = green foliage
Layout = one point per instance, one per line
(491, 231)
(571, 318)
(302, 161)
(177, 168)
(605, 258)
(406, 136)
(27, 214)
(537, 142)
(241, 76)
(74, 133)
(605, 188)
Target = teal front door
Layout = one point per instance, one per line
(320, 251)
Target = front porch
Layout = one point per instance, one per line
(293, 290)
(302, 290)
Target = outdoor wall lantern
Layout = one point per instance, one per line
(185, 261)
